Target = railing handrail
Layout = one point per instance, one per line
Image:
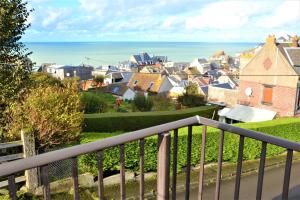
(251, 134)
(70, 152)
(74, 151)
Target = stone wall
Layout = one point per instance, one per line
(228, 96)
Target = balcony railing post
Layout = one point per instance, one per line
(163, 167)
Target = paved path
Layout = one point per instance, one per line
(272, 187)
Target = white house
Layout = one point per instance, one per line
(170, 87)
(128, 95)
(121, 91)
(201, 64)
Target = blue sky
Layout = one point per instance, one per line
(161, 20)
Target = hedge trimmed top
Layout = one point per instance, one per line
(110, 122)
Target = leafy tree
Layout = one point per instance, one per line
(99, 80)
(191, 97)
(192, 89)
(142, 103)
(53, 113)
(41, 79)
(15, 67)
(93, 103)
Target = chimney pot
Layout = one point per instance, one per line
(295, 41)
(271, 39)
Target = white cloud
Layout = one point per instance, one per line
(286, 13)
(172, 22)
(225, 14)
(54, 16)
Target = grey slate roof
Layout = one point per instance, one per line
(291, 54)
(294, 54)
(116, 89)
(126, 77)
(204, 89)
(223, 85)
(202, 60)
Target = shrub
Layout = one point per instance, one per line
(192, 100)
(161, 103)
(142, 103)
(52, 113)
(191, 97)
(285, 128)
(99, 80)
(110, 122)
(93, 103)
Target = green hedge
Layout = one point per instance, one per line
(110, 122)
(286, 128)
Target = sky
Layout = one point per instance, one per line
(161, 20)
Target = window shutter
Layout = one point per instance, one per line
(268, 93)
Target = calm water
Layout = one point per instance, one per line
(98, 53)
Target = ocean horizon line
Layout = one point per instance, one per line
(202, 42)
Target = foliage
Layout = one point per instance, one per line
(53, 113)
(15, 66)
(110, 122)
(161, 103)
(41, 79)
(93, 103)
(142, 103)
(191, 97)
(192, 100)
(192, 89)
(99, 80)
(284, 128)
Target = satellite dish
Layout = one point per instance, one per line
(248, 92)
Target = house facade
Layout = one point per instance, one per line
(270, 80)
(63, 71)
(202, 65)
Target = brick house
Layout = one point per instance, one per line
(270, 80)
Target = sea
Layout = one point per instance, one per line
(111, 53)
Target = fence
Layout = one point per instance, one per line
(30, 177)
(163, 180)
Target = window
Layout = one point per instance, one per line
(267, 95)
(150, 85)
(298, 100)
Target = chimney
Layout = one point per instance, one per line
(295, 41)
(271, 39)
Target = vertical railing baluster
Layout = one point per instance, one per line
(219, 171)
(174, 168)
(163, 167)
(261, 171)
(100, 175)
(287, 174)
(142, 190)
(12, 187)
(75, 178)
(188, 163)
(202, 162)
(45, 182)
(122, 171)
(239, 169)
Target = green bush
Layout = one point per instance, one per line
(162, 103)
(93, 103)
(110, 122)
(190, 100)
(284, 128)
(142, 103)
